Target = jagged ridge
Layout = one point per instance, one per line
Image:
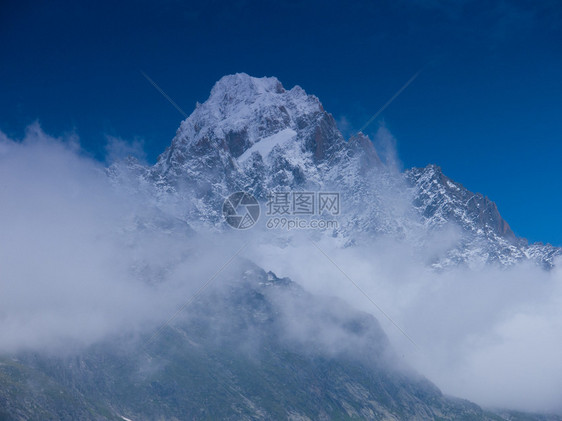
(254, 135)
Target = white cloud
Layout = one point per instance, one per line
(385, 144)
(345, 126)
(79, 263)
(118, 149)
(74, 265)
(489, 335)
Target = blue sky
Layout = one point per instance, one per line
(487, 107)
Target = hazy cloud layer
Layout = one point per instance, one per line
(492, 335)
(118, 149)
(81, 260)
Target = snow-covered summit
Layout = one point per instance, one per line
(241, 85)
(252, 134)
(242, 110)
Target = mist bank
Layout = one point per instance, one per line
(83, 260)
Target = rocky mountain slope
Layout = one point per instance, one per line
(486, 236)
(255, 347)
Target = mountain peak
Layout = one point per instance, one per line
(240, 85)
(254, 135)
(247, 108)
(246, 116)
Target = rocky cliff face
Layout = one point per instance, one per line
(486, 236)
